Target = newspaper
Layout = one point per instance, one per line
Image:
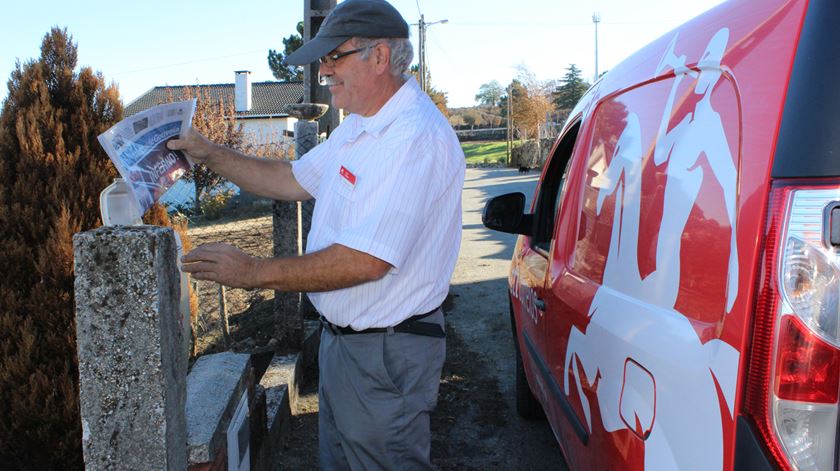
(137, 147)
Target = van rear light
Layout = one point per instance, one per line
(794, 382)
(811, 283)
(807, 368)
(808, 433)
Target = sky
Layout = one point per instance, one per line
(140, 45)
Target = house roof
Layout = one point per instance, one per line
(268, 99)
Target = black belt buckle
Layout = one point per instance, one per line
(426, 329)
(414, 325)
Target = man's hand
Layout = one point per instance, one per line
(198, 147)
(223, 264)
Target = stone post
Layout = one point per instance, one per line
(291, 227)
(306, 137)
(287, 312)
(129, 334)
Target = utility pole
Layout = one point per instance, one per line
(422, 50)
(314, 13)
(510, 123)
(422, 54)
(596, 18)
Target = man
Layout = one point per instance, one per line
(383, 244)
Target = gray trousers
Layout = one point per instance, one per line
(376, 394)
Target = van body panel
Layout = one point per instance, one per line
(648, 282)
(645, 279)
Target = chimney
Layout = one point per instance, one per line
(242, 91)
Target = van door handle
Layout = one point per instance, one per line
(539, 304)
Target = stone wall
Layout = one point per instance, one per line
(531, 153)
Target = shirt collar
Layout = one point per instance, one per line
(376, 124)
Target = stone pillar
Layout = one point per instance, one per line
(292, 221)
(132, 367)
(314, 13)
(306, 137)
(287, 312)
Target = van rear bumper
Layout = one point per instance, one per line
(749, 454)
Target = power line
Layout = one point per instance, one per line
(418, 7)
(531, 24)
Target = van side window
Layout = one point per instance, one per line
(551, 190)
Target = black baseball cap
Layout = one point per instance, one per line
(351, 18)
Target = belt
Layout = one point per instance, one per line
(408, 326)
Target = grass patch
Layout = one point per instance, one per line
(484, 151)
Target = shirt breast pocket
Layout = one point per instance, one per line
(343, 205)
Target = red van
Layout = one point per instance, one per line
(675, 291)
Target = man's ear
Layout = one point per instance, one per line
(382, 58)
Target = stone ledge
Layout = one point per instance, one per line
(280, 385)
(281, 389)
(311, 343)
(214, 386)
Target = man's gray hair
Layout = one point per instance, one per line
(401, 52)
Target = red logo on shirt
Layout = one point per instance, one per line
(348, 175)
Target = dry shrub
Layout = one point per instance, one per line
(157, 216)
(52, 170)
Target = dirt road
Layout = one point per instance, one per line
(475, 426)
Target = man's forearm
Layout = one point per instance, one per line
(270, 178)
(333, 268)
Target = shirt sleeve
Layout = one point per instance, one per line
(309, 169)
(389, 214)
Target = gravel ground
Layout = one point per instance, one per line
(250, 314)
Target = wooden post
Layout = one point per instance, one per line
(223, 314)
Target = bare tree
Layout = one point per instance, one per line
(531, 103)
(214, 118)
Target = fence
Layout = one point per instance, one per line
(255, 236)
(481, 134)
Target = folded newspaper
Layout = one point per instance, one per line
(137, 146)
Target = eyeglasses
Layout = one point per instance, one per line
(331, 59)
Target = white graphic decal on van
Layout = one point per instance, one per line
(699, 133)
(670, 398)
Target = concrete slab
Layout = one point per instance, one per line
(214, 387)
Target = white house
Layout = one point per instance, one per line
(260, 107)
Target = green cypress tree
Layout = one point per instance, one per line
(281, 71)
(573, 88)
(52, 170)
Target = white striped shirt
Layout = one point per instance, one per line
(388, 185)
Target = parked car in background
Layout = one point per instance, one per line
(675, 291)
